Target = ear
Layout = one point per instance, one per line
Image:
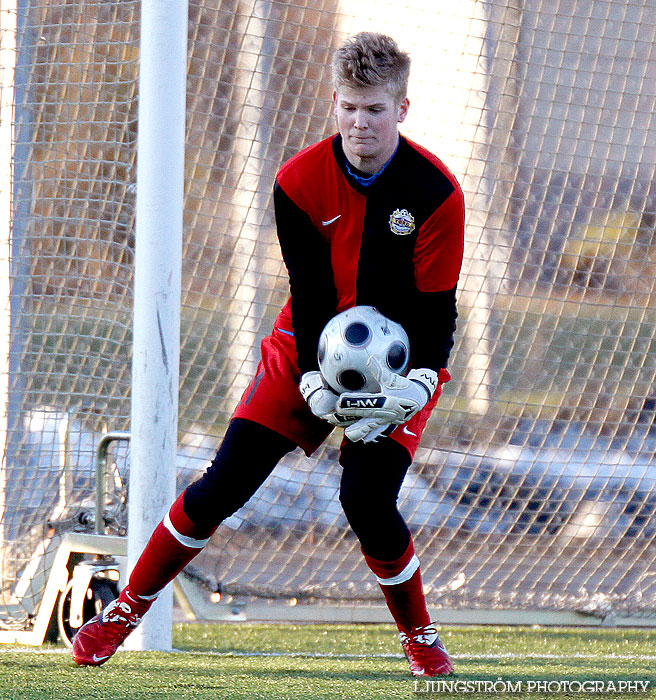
(334, 100)
(403, 109)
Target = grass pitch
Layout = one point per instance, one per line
(343, 662)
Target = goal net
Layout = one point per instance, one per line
(535, 486)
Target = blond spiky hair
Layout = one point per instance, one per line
(372, 60)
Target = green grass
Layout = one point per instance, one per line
(325, 662)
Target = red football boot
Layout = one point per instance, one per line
(98, 639)
(425, 652)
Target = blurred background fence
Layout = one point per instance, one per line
(535, 486)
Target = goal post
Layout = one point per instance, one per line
(157, 272)
(535, 487)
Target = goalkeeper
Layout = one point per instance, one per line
(364, 217)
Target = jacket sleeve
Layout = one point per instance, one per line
(437, 263)
(431, 328)
(307, 258)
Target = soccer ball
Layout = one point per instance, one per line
(350, 339)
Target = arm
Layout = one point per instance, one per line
(313, 299)
(307, 258)
(431, 328)
(437, 262)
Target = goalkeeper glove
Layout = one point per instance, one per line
(399, 397)
(321, 399)
(368, 430)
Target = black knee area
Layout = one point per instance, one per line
(371, 480)
(248, 454)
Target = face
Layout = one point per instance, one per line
(368, 121)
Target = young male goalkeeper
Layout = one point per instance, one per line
(364, 217)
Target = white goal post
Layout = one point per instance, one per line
(535, 486)
(157, 271)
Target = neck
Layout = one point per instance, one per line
(368, 171)
(368, 166)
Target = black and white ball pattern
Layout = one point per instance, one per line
(348, 342)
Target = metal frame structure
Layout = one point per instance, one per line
(105, 549)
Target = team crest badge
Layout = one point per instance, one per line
(402, 222)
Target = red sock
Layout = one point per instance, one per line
(173, 544)
(400, 581)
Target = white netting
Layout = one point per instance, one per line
(535, 486)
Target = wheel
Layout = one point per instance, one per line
(100, 593)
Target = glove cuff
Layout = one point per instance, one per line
(311, 382)
(426, 378)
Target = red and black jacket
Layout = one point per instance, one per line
(395, 244)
